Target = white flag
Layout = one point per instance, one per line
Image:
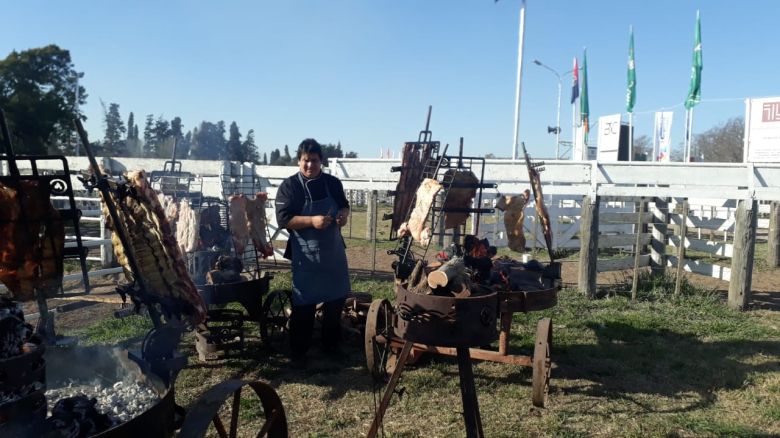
(663, 134)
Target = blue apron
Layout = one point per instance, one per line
(320, 272)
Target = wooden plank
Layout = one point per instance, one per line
(621, 264)
(681, 248)
(710, 224)
(611, 241)
(623, 218)
(715, 248)
(708, 269)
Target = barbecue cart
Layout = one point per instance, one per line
(454, 324)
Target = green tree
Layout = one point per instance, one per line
(182, 145)
(275, 158)
(209, 141)
(249, 148)
(162, 138)
(149, 136)
(130, 126)
(722, 143)
(286, 159)
(38, 92)
(265, 159)
(351, 154)
(113, 142)
(233, 146)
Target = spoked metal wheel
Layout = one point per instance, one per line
(274, 325)
(542, 362)
(233, 408)
(381, 358)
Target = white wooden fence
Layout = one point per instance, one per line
(565, 184)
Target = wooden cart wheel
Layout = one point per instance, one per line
(274, 324)
(380, 357)
(209, 410)
(542, 362)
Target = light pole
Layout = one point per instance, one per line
(558, 110)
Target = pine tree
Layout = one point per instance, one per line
(265, 159)
(130, 126)
(276, 158)
(249, 149)
(149, 136)
(286, 159)
(113, 144)
(233, 146)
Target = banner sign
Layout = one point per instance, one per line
(762, 130)
(609, 137)
(663, 135)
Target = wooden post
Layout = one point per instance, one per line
(681, 248)
(589, 245)
(374, 216)
(659, 240)
(637, 249)
(370, 215)
(744, 250)
(773, 241)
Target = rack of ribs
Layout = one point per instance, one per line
(459, 197)
(256, 221)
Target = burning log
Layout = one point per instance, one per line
(14, 332)
(418, 280)
(77, 417)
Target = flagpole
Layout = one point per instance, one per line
(630, 137)
(520, 43)
(690, 136)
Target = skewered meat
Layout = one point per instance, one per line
(414, 157)
(459, 197)
(416, 224)
(255, 213)
(187, 227)
(170, 207)
(155, 249)
(33, 240)
(239, 227)
(514, 216)
(541, 210)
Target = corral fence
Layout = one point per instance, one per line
(633, 212)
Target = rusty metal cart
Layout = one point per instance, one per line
(397, 335)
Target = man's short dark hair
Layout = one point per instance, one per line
(309, 146)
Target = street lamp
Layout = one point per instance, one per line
(558, 111)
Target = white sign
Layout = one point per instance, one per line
(609, 137)
(663, 135)
(762, 130)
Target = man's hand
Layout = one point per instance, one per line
(342, 217)
(321, 222)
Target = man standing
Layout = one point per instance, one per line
(312, 206)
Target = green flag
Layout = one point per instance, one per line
(631, 86)
(584, 109)
(694, 93)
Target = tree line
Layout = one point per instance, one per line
(40, 95)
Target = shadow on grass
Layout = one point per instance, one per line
(629, 360)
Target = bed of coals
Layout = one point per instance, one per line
(120, 401)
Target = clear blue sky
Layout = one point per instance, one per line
(363, 72)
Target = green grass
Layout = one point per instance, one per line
(667, 365)
(112, 330)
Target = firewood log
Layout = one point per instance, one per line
(451, 272)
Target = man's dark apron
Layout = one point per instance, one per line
(319, 271)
